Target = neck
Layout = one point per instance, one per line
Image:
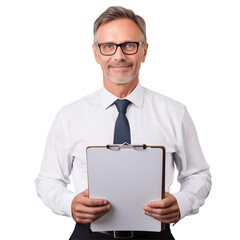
(120, 90)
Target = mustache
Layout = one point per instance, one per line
(120, 63)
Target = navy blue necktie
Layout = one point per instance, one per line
(122, 129)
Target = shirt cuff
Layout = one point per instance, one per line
(183, 203)
(67, 203)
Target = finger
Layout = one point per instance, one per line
(93, 202)
(89, 217)
(84, 221)
(93, 210)
(164, 203)
(162, 211)
(171, 218)
(167, 194)
(87, 220)
(85, 193)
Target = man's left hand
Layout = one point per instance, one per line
(165, 210)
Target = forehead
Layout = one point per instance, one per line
(119, 31)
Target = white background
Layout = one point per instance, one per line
(46, 62)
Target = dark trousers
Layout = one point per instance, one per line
(82, 231)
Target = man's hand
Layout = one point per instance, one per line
(87, 210)
(165, 210)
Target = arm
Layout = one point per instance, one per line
(193, 170)
(53, 178)
(193, 175)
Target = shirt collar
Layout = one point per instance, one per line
(136, 97)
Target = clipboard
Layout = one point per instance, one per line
(128, 176)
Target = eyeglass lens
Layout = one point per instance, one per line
(110, 48)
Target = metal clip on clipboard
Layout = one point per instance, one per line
(126, 145)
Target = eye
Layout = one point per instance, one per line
(107, 46)
(129, 46)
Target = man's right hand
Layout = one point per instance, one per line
(87, 210)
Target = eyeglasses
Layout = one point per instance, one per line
(109, 49)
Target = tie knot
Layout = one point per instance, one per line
(122, 105)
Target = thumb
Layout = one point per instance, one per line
(86, 193)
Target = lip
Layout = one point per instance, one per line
(121, 67)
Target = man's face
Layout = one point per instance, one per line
(120, 68)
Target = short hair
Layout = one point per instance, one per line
(117, 12)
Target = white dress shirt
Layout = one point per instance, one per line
(154, 120)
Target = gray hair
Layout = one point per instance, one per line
(113, 13)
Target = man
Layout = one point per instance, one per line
(120, 47)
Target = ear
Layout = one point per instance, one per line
(144, 54)
(95, 52)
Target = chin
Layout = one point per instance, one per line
(122, 81)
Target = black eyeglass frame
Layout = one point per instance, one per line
(118, 45)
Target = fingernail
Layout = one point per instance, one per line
(105, 202)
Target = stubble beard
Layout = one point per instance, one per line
(119, 81)
(123, 80)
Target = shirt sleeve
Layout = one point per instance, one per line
(193, 170)
(53, 178)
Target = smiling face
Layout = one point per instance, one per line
(120, 68)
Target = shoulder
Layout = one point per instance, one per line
(163, 102)
(79, 105)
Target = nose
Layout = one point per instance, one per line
(119, 55)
